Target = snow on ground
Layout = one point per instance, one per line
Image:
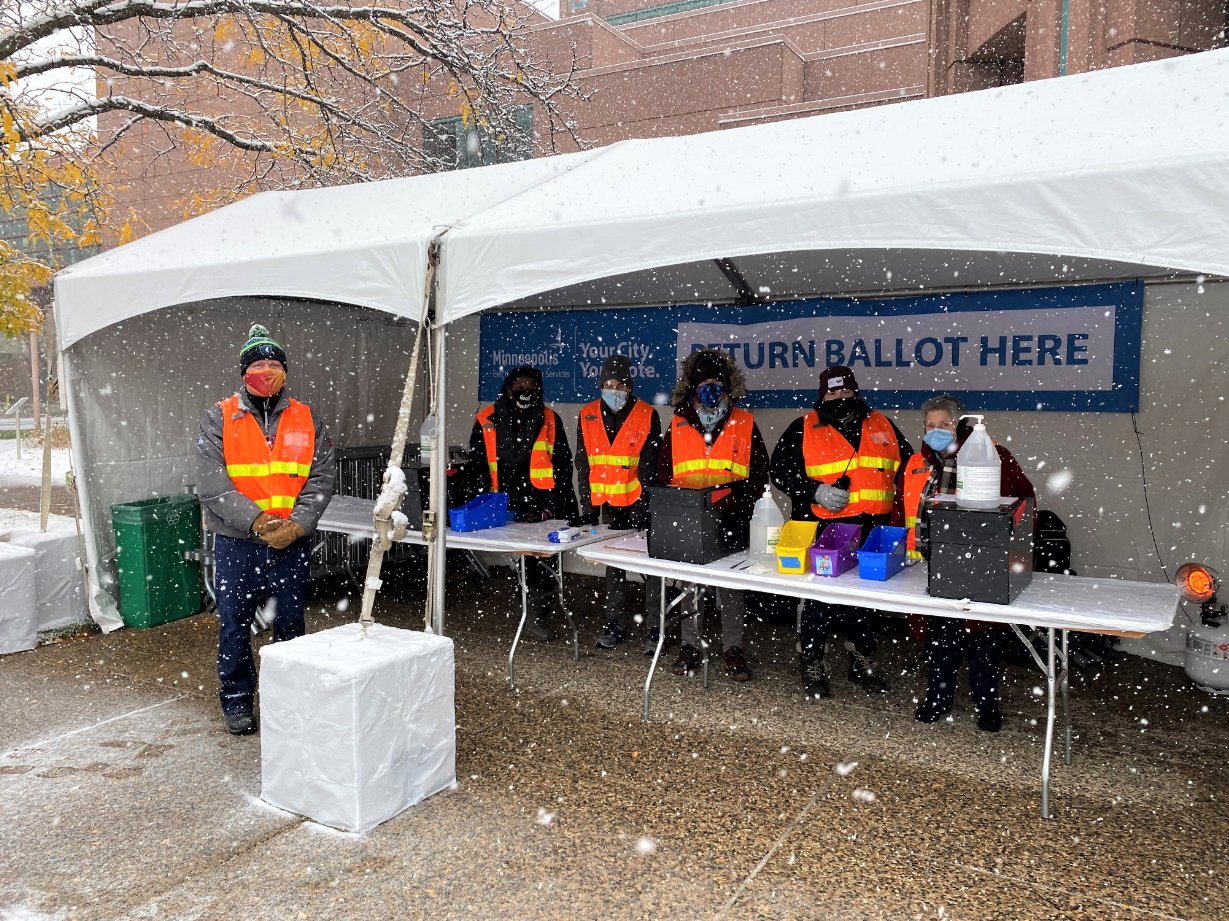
(16, 520)
(30, 468)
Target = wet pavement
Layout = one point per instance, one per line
(122, 797)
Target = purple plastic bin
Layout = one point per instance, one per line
(836, 551)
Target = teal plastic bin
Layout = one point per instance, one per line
(156, 583)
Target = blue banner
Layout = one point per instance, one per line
(1063, 349)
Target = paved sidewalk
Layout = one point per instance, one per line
(121, 797)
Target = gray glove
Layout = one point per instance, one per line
(833, 498)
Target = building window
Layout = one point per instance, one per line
(449, 143)
(579, 6)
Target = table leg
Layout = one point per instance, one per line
(567, 612)
(1049, 734)
(1064, 686)
(703, 643)
(664, 610)
(521, 626)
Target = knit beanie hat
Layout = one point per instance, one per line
(838, 377)
(260, 347)
(616, 368)
(710, 365)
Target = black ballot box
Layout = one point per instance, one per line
(692, 523)
(981, 554)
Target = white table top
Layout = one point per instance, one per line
(353, 516)
(1050, 600)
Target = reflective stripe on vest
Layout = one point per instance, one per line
(917, 473)
(270, 477)
(728, 456)
(541, 463)
(614, 475)
(871, 471)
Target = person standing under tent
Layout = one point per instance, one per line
(518, 446)
(838, 464)
(265, 473)
(709, 438)
(947, 638)
(617, 439)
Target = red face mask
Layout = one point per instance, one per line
(264, 383)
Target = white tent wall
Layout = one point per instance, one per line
(137, 390)
(1087, 467)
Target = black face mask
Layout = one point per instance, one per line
(525, 400)
(836, 410)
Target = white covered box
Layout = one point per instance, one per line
(354, 728)
(18, 610)
(57, 580)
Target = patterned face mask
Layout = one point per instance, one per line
(710, 395)
(264, 383)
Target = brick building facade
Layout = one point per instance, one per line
(652, 69)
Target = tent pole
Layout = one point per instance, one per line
(436, 549)
(393, 489)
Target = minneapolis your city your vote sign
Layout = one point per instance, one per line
(1067, 349)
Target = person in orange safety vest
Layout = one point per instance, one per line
(711, 436)
(617, 438)
(265, 473)
(949, 639)
(838, 464)
(519, 446)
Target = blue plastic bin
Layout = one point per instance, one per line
(489, 510)
(883, 554)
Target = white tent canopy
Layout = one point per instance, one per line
(1112, 170)
(148, 332)
(363, 244)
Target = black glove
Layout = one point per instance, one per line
(587, 520)
(533, 517)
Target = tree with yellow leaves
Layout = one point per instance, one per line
(256, 94)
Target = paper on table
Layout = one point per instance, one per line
(635, 543)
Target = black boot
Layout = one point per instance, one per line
(536, 626)
(864, 671)
(815, 676)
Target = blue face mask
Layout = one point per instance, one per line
(710, 395)
(615, 399)
(710, 417)
(939, 440)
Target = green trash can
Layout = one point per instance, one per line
(156, 583)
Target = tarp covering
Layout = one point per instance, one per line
(1124, 170)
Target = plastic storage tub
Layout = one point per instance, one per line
(883, 554)
(796, 539)
(836, 551)
(156, 583)
(489, 510)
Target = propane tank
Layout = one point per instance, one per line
(1207, 657)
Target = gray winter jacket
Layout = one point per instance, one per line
(230, 513)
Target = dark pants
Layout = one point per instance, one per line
(541, 575)
(946, 639)
(820, 618)
(616, 597)
(249, 573)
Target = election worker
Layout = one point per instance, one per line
(838, 464)
(617, 439)
(265, 471)
(518, 446)
(711, 438)
(948, 638)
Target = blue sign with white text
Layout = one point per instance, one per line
(1074, 348)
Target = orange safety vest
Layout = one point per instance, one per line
(871, 470)
(917, 473)
(541, 458)
(270, 477)
(729, 457)
(614, 467)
